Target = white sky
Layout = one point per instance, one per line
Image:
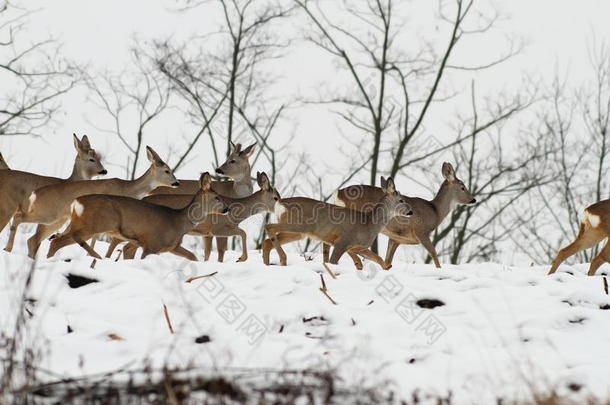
(99, 33)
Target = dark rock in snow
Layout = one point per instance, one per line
(75, 281)
(202, 339)
(429, 303)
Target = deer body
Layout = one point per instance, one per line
(236, 167)
(156, 228)
(17, 186)
(347, 230)
(50, 206)
(427, 215)
(594, 227)
(3, 164)
(221, 225)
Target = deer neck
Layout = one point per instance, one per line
(77, 173)
(380, 215)
(144, 184)
(242, 185)
(443, 202)
(243, 208)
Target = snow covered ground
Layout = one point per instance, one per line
(496, 331)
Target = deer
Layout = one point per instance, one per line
(594, 227)
(219, 225)
(156, 228)
(3, 164)
(346, 230)
(50, 206)
(16, 186)
(427, 214)
(236, 167)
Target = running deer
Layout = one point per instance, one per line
(16, 186)
(219, 225)
(50, 206)
(594, 227)
(3, 165)
(427, 215)
(347, 230)
(236, 167)
(156, 228)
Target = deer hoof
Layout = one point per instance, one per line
(242, 259)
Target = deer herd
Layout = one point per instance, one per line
(154, 212)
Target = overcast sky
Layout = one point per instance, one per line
(99, 33)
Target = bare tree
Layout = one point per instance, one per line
(373, 55)
(132, 100)
(38, 76)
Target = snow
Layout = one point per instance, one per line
(502, 331)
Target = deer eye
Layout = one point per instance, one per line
(402, 201)
(275, 198)
(232, 161)
(92, 160)
(167, 171)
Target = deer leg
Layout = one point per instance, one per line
(325, 252)
(427, 244)
(244, 244)
(183, 252)
(372, 256)
(356, 260)
(114, 242)
(279, 237)
(17, 220)
(584, 240)
(207, 247)
(43, 231)
(389, 254)
(338, 249)
(59, 243)
(81, 240)
(221, 246)
(602, 257)
(129, 251)
(6, 213)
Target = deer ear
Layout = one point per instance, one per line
(205, 181)
(383, 182)
(248, 151)
(152, 156)
(448, 172)
(264, 182)
(389, 187)
(77, 144)
(85, 142)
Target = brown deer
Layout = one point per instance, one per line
(3, 164)
(347, 230)
(16, 186)
(219, 225)
(236, 167)
(427, 215)
(156, 228)
(50, 206)
(594, 227)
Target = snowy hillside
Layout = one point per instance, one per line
(474, 332)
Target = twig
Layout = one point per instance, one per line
(93, 263)
(605, 281)
(324, 290)
(169, 322)
(191, 279)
